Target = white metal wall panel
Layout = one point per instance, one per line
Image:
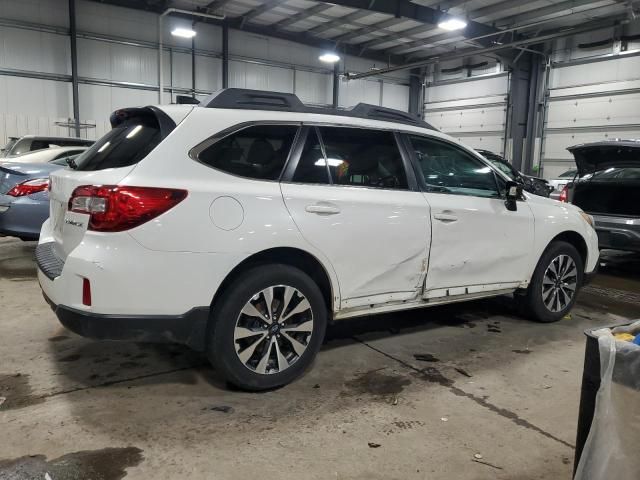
(395, 96)
(97, 102)
(116, 21)
(314, 88)
(353, 92)
(208, 73)
(260, 77)
(102, 60)
(50, 12)
(181, 70)
(32, 106)
(34, 51)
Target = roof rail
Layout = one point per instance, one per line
(246, 99)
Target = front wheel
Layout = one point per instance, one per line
(267, 328)
(554, 285)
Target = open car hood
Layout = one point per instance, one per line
(596, 156)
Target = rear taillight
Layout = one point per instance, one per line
(116, 208)
(564, 194)
(29, 187)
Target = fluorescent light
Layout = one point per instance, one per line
(135, 131)
(452, 23)
(183, 32)
(329, 58)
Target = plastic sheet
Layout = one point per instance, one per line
(611, 449)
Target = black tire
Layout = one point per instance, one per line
(221, 346)
(531, 304)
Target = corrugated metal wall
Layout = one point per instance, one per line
(117, 66)
(594, 94)
(472, 109)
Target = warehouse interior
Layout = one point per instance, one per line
(466, 391)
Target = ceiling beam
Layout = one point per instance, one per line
(419, 13)
(265, 7)
(376, 27)
(215, 5)
(298, 17)
(339, 22)
(519, 43)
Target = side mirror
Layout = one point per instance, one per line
(514, 192)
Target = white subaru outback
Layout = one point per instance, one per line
(243, 225)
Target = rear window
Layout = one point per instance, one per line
(123, 146)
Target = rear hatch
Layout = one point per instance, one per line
(135, 133)
(609, 181)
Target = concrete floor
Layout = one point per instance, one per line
(403, 396)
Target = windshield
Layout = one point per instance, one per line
(501, 166)
(7, 148)
(614, 174)
(568, 174)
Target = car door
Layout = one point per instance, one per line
(352, 196)
(477, 244)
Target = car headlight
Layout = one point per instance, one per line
(588, 218)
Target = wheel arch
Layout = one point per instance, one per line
(573, 238)
(291, 256)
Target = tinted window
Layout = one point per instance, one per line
(357, 157)
(258, 152)
(449, 169)
(124, 145)
(312, 167)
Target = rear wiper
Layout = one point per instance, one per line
(72, 163)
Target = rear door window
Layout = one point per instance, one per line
(354, 157)
(259, 152)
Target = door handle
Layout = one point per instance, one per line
(445, 217)
(323, 209)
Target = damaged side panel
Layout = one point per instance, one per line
(477, 242)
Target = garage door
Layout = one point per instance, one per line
(588, 101)
(473, 110)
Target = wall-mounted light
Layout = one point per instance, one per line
(452, 23)
(329, 58)
(183, 32)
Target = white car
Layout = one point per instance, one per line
(45, 155)
(567, 177)
(244, 225)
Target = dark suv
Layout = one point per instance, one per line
(608, 188)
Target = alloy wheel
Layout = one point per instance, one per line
(559, 283)
(273, 329)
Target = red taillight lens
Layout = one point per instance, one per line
(29, 187)
(564, 194)
(86, 292)
(116, 208)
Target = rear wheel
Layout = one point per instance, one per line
(554, 285)
(268, 327)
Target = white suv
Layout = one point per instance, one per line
(242, 226)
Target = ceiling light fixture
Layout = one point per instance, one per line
(329, 58)
(183, 32)
(452, 23)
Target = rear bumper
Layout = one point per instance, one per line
(22, 217)
(188, 329)
(618, 233)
